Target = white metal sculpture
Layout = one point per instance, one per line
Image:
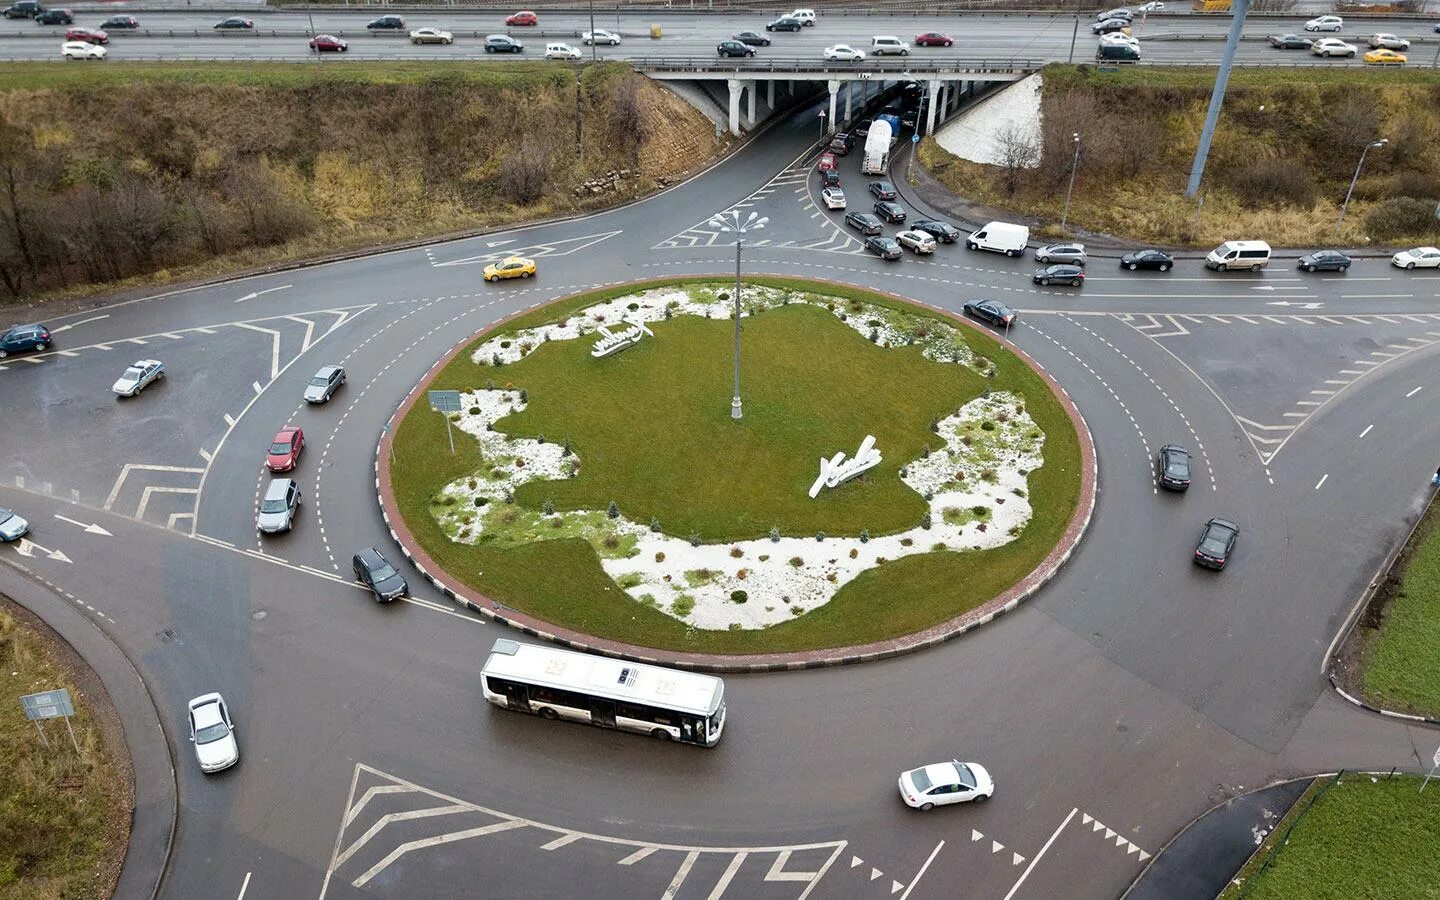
(837, 469)
(615, 341)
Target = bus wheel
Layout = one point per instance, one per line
(660, 733)
(548, 713)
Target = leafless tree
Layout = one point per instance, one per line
(1018, 150)
(525, 172)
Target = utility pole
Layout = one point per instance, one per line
(594, 47)
(1217, 96)
(579, 152)
(1074, 164)
(1373, 145)
(730, 221)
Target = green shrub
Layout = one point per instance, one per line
(1401, 217)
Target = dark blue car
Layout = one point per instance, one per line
(1324, 261)
(22, 338)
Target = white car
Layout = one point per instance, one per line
(431, 36)
(1325, 23)
(844, 53)
(81, 50)
(140, 373)
(561, 51)
(806, 16)
(949, 782)
(1333, 47)
(1153, 6)
(600, 36)
(1388, 41)
(212, 733)
(918, 241)
(1120, 38)
(1417, 258)
(834, 198)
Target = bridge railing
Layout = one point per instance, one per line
(870, 66)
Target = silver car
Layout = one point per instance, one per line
(325, 383)
(1388, 41)
(12, 527)
(277, 507)
(1071, 253)
(212, 733)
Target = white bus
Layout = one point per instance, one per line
(610, 693)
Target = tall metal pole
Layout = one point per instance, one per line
(594, 46)
(579, 151)
(1217, 96)
(1074, 33)
(1074, 164)
(1346, 205)
(311, 19)
(735, 403)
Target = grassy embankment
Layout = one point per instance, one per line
(64, 820)
(562, 581)
(140, 173)
(1283, 155)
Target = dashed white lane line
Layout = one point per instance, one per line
(920, 874)
(1028, 869)
(1415, 391)
(1367, 430)
(1322, 480)
(244, 886)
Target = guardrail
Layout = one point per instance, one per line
(888, 65)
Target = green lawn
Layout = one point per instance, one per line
(1362, 839)
(1403, 661)
(758, 472)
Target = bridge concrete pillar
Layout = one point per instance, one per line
(830, 123)
(930, 111)
(735, 86)
(770, 94)
(752, 95)
(849, 95)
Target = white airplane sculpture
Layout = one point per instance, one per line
(615, 341)
(837, 470)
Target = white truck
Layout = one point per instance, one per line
(877, 149)
(1000, 237)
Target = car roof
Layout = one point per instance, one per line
(942, 773)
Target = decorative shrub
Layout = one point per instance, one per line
(775, 534)
(547, 508)
(854, 553)
(613, 510)
(654, 523)
(797, 562)
(660, 556)
(736, 552)
(474, 410)
(865, 536)
(819, 536)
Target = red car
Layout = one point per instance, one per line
(285, 449)
(88, 35)
(933, 39)
(323, 42)
(826, 163)
(524, 17)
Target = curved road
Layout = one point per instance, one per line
(1133, 692)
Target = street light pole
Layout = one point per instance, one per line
(594, 47)
(1368, 147)
(729, 221)
(1074, 164)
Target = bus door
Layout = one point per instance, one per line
(602, 712)
(516, 697)
(692, 730)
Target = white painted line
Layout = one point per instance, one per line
(729, 874)
(680, 874)
(1322, 480)
(1415, 391)
(397, 817)
(433, 841)
(1038, 856)
(229, 420)
(1366, 431)
(244, 886)
(920, 874)
(635, 857)
(562, 841)
(258, 389)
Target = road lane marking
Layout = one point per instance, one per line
(684, 870)
(931, 858)
(1026, 874)
(423, 843)
(244, 886)
(1322, 480)
(1414, 392)
(1366, 431)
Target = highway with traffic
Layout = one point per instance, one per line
(1132, 693)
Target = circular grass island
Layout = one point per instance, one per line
(615, 497)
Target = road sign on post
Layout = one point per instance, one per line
(445, 403)
(1434, 764)
(50, 705)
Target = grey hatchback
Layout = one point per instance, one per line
(277, 508)
(503, 43)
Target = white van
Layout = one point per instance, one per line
(806, 16)
(561, 51)
(882, 44)
(1252, 255)
(1000, 237)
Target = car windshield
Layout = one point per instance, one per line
(131, 374)
(967, 777)
(272, 506)
(382, 570)
(280, 447)
(922, 784)
(319, 381)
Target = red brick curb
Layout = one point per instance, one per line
(764, 662)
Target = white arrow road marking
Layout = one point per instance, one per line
(27, 547)
(855, 861)
(875, 873)
(975, 835)
(89, 528)
(252, 295)
(78, 324)
(493, 244)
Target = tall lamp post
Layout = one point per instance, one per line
(732, 223)
(1074, 164)
(1373, 145)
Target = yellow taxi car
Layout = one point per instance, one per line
(510, 267)
(1383, 57)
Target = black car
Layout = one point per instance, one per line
(385, 23)
(376, 573)
(865, 223)
(883, 190)
(841, 144)
(55, 17)
(1289, 42)
(24, 337)
(884, 247)
(863, 128)
(785, 23)
(1147, 259)
(234, 22)
(24, 9)
(1172, 468)
(1325, 261)
(503, 43)
(992, 311)
(751, 38)
(734, 48)
(829, 178)
(1109, 25)
(1216, 543)
(943, 232)
(119, 23)
(890, 211)
(1062, 273)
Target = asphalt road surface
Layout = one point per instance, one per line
(1132, 693)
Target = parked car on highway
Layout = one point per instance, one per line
(1217, 542)
(212, 733)
(888, 45)
(235, 22)
(883, 190)
(1324, 261)
(328, 43)
(865, 223)
(284, 453)
(523, 17)
(884, 247)
(830, 178)
(933, 39)
(1118, 13)
(503, 43)
(1388, 41)
(24, 9)
(803, 16)
(1172, 468)
(834, 198)
(324, 383)
(562, 51)
(82, 50)
(992, 311)
(751, 39)
(890, 211)
(1383, 57)
(784, 23)
(841, 144)
(386, 23)
(943, 232)
(25, 337)
(917, 241)
(431, 36)
(88, 35)
(12, 527)
(734, 48)
(120, 23)
(1325, 23)
(137, 376)
(943, 783)
(278, 506)
(600, 36)
(844, 53)
(1147, 259)
(1109, 25)
(1063, 253)
(1289, 42)
(1059, 274)
(509, 267)
(55, 17)
(1417, 258)
(374, 571)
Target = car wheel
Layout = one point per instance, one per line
(41, 346)
(1075, 283)
(1350, 55)
(1325, 54)
(548, 713)
(526, 274)
(660, 734)
(927, 806)
(1012, 253)
(1131, 266)
(1164, 267)
(1342, 267)
(1409, 266)
(904, 52)
(1308, 268)
(969, 245)
(1043, 259)
(947, 43)
(415, 41)
(489, 49)
(981, 799)
(1255, 268)
(1044, 282)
